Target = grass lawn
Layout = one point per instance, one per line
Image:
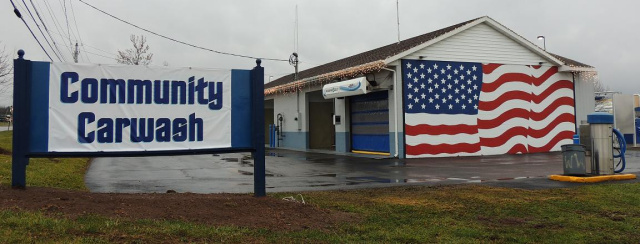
(605, 213)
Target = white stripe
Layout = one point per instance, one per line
(546, 139)
(504, 69)
(495, 132)
(537, 107)
(441, 155)
(439, 119)
(542, 123)
(546, 84)
(506, 106)
(504, 148)
(442, 139)
(504, 88)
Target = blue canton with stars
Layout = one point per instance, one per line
(438, 87)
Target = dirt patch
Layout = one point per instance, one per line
(215, 209)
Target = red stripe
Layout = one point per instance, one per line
(489, 68)
(442, 148)
(513, 113)
(551, 89)
(510, 95)
(414, 130)
(518, 148)
(504, 78)
(566, 117)
(544, 77)
(552, 107)
(504, 137)
(535, 66)
(559, 137)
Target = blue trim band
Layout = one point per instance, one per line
(39, 117)
(241, 108)
(600, 118)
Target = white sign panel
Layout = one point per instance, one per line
(346, 88)
(105, 108)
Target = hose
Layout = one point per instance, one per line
(623, 149)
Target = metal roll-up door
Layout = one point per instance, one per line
(370, 123)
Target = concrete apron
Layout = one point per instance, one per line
(290, 171)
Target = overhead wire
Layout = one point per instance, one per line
(181, 42)
(17, 12)
(46, 28)
(40, 29)
(73, 14)
(55, 21)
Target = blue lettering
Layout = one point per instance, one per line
(163, 130)
(179, 130)
(111, 85)
(215, 96)
(105, 130)
(65, 79)
(193, 122)
(161, 93)
(89, 90)
(84, 119)
(191, 90)
(138, 133)
(178, 89)
(200, 90)
(138, 89)
(120, 125)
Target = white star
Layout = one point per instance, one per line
(470, 101)
(469, 82)
(457, 100)
(442, 71)
(457, 91)
(415, 70)
(408, 65)
(408, 75)
(475, 97)
(450, 96)
(424, 106)
(435, 76)
(444, 100)
(410, 96)
(461, 67)
(449, 77)
(474, 68)
(443, 81)
(475, 106)
(444, 90)
(436, 85)
(455, 71)
(415, 79)
(410, 106)
(422, 66)
(415, 89)
(450, 106)
(437, 96)
(430, 100)
(463, 106)
(469, 90)
(456, 81)
(429, 80)
(449, 86)
(416, 99)
(463, 96)
(429, 70)
(430, 90)
(422, 76)
(410, 86)
(462, 86)
(468, 72)
(448, 66)
(475, 77)
(437, 106)
(422, 86)
(462, 77)
(435, 66)
(423, 96)
(475, 87)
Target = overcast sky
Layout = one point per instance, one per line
(604, 34)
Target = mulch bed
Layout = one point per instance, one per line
(214, 209)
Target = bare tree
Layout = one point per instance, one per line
(598, 86)
(138, 55)
(6, 72)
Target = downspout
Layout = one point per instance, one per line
(395, 109)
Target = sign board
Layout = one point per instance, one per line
(346, 88)
(115, 108)
(90, 110)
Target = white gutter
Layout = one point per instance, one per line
(395, 109)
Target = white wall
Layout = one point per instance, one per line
(286, 105)
(585, 96)
(481, 44)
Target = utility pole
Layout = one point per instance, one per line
(76, 54)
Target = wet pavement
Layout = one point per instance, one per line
(306, 171)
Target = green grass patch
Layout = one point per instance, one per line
(65, 173)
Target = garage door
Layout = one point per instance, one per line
(370, 123)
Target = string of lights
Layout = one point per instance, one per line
(17, 12)
(181, 42)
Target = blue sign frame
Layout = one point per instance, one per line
(30, 101)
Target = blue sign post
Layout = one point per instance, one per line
(68, 110)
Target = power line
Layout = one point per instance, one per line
(181, 42)
(40, 29)
(73, 13)
(15, 10)
(55, 21)
(45, 27)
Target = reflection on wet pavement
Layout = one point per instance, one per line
(300, 171)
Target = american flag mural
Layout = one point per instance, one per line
(464, 109)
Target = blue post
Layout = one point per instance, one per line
(19, 160)
(259, 179)
(271, 135)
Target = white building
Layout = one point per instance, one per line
(474, 88)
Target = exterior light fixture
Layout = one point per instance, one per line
(544, 42)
